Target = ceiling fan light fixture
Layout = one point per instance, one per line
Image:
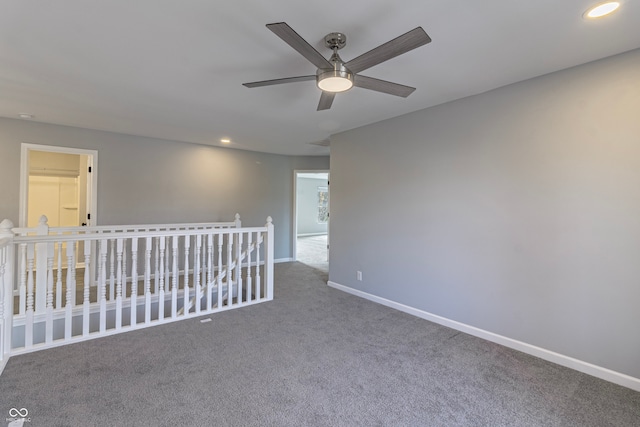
(335, 80)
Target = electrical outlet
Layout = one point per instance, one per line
(359, 275)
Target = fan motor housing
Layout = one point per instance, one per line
(338, 75)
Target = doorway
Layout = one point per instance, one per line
(61, 184)
(311, 224)
(57, 182)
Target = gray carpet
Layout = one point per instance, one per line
(314, 356)
(312, 250)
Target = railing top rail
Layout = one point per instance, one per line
(138, 234)
(124, 228)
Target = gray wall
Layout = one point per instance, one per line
(145, 180)
(307, 200)
(516, 211)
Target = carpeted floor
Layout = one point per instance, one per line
(313, 251)
(314, 356)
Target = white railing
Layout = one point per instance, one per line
(66, 285)
(42, 230)
(110, 229)
(6, 289)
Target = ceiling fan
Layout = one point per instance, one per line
(335, 75)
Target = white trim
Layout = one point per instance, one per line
(281, 260)
(312, 234)
(3, 363)
(24, 177)
(551, 356)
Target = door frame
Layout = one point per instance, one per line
(92, 180)
(294, 231)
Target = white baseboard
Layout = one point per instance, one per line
(3, 363)
(560, 359)
(279, 260)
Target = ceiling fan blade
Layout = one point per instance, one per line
(293, 39)
(382, 86)
(326, 99)
(279, 81)
(403, 44)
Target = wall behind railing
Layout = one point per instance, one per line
(147, 180)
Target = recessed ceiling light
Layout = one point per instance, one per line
(602, 9)
(225, 140)
(26, 116)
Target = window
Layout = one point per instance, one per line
(323, 205)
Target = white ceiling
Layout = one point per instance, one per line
(174, 69)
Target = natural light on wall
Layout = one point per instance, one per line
(602, 9)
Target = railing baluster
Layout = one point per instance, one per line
(134, 281)
(118, 284)
(88, 268)
(208, 286)
(167, 258)
(69, 302)
(203, 269)
(196, 272)
(147, 281)
(59, 277)
(161, 281)
(28, 322)
(238, 263)
(23, 279)
(103, 285)
(220, 269)
(112, 271)
(229, 269)
(258, 241)
(49, 307)
(249, 253)
(41, 255)
(185, 300)
(72, 248)
(174, 282)
(268, 261)
(156, 275)
(124, 269)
